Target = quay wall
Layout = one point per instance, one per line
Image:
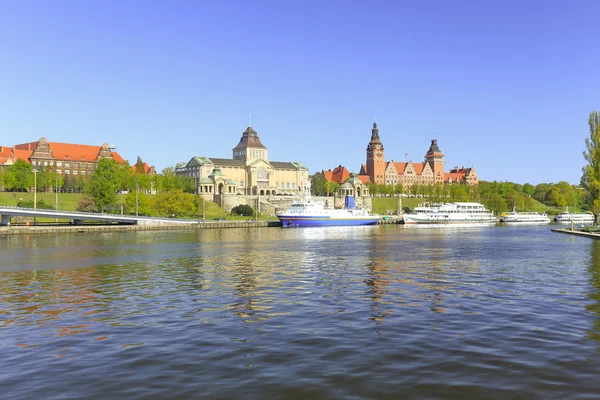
(52, 230)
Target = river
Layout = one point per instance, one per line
(355, 312)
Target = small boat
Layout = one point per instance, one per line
(524, 217)
(307, 212)
(577, 218)
(450, 213)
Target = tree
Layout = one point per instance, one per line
(243, 209)
(104, 183)
(86, 203)
(317, 184)
(496, 203)
(139, 166)
(591, 172)
(143, 205)
(177, 204)
(19, 176)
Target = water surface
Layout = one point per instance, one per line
(360, 312)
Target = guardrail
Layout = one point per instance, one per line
(75, 214)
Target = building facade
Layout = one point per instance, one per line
(248, 172)
(63, 158)
(428, 172)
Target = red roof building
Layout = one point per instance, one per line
(64, 158)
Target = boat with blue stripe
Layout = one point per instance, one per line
(307, 212)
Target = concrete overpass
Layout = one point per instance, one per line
(78, 217)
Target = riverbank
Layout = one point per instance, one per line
(54, 229)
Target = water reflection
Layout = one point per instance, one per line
(248, 310)
(594, 294)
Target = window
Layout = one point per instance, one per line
(82, 172)
(74, 172)
(59, 163)
(67, 172)
(59, 171)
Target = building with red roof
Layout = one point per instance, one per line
(428, 172)
(63, 158)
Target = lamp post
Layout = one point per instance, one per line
(35, 171)
(56, 195)
(136, 198)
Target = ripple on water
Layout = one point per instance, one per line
(296, 313)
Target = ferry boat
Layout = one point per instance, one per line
(525, 217)
(578, 218)
(307, 212)
(450, 213)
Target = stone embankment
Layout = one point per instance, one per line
(57, 229)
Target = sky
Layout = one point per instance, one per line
(504, 86)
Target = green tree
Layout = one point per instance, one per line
(139, 166)
(104, 183)
(19, 176)
(143, 204)
(591, 172)
(556, 198)
(243, 209)
(528, 189)
(176, 204)
(496, 203)
(317, 184)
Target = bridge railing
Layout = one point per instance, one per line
(71, 214)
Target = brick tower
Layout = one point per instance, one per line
(435, 159)
(375, 157)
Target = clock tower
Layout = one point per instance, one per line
(435, 159)
(376, 157)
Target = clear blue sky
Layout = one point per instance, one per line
(507, 86)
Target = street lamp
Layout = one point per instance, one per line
(35, 171)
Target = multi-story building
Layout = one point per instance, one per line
(64, 158)
(248, 172)
(428, 172)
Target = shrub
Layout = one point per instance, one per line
(86, 203)
(243, 210)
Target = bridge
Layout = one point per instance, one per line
(77, 217)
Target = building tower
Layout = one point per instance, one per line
(250, 148)
(435, 159)
(375, 157)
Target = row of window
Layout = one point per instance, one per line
(68, 172)
(60, 164)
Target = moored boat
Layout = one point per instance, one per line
(450, 213)
(307, 212)
(525, 217)
(577, 218)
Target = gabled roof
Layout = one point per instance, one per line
(339, 174)
(454, 176)
(400, 166)
(363, 170)
(22, 154)
(259, 161)
(366, 179)
(418, 168)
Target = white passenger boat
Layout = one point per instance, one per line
(308, 212)
(525, 217)
(577, 218)
(450, 213)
